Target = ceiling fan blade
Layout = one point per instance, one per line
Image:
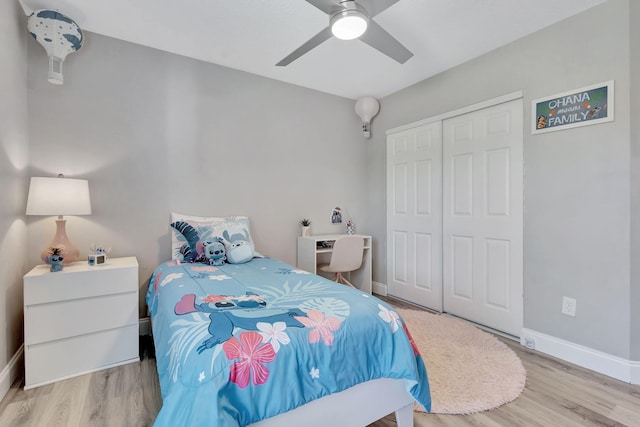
(379, 39)
(314, 41)
(374, 7)
(327, 6)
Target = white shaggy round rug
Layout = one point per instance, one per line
(469, 370)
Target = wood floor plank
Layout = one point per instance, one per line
(576, 396)
(62, 408)
(93, 413)
(626, 415)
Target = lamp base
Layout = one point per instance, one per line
(70, 252)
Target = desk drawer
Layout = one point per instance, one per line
(63, 319)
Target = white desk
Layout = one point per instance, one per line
(311, 253)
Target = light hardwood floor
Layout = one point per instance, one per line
(556, 394)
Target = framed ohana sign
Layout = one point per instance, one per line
(580, 107)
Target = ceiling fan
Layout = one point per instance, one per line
(350, 19)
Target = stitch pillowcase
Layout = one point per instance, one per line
(209, 228)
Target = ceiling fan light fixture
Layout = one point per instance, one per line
(348, 13)
(349, 23)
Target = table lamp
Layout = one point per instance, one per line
(59, 196)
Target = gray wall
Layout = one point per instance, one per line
(14, 157)
(576, 183)
(155, 132)
(634, 95)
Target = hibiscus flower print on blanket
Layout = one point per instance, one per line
(252, 357)
(322, 326)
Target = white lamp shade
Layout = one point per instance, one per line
(58, 196)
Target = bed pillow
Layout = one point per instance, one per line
(209, 229)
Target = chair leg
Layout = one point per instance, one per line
(340, 279)
(346, 282)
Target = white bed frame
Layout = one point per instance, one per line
(357, 406)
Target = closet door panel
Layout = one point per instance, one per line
(482, 218)
(414, 215)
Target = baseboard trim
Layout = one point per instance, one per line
(603, 363)
(635, 372)
(379, 288)
(11, 371)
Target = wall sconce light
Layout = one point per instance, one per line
(59, 196)
(367, 108)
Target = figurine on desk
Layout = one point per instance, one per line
(350, 227)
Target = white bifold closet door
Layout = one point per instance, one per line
(414, 215)
(482, 217)
(454, 215)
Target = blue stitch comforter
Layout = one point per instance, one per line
(238, 343)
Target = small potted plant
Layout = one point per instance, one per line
(305, 226)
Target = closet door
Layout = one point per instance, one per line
(482, 217)
(414, 215)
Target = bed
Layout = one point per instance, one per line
(263, 343)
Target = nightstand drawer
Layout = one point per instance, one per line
(68, 284)
(79, 316)
(57, 360)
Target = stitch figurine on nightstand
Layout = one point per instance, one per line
(55, 259)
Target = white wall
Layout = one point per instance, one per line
(13, 177)
(576, 184)
(155, 132)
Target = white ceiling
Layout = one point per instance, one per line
(253, 35)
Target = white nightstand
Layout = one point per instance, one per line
(79, 320)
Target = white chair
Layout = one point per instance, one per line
(346, 257)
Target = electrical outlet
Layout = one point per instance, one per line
(530, 343)
(569, 306)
